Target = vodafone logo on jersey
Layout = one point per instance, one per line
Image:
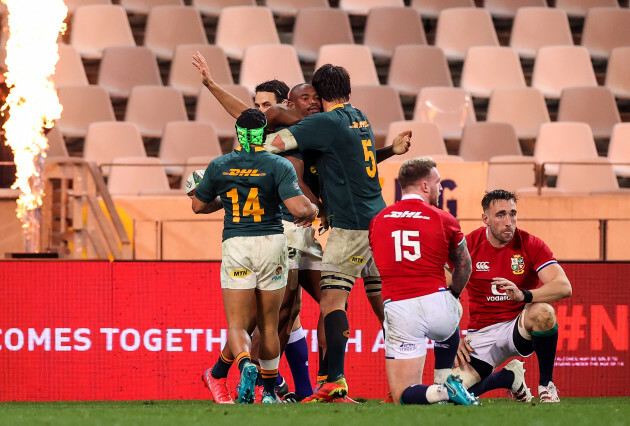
(482, 266)
(498, 295)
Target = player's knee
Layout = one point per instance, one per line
(543, 315)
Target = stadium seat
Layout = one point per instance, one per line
(291, 8)
(72, 5)
(510, 172)
(356, 59)
(431, 8)
(617, 72)
(461, 28)
(585, 176)
(99, 26)
(579, 8)
(186, 78)
(379, 36)
(213, 8)
(123, 68)
(595, 106)
(381, 105)
(139, 176)
(183, 139)
(414, 67)
(619, 149)
(143, 7)
(257, 67)
(480, 141)
(209, 110)
(535, 27)
(490, 67)
(563, 141)
(169, 26)
(56, 144)
(243, 26)
(449, 108)
(316, 27)
(108, 140)
(558, 67)
(509, 8)
(83, 105)
(524, 108)
(69, 70)
(604, 29)
(426, 139)
(151, 107)
(362, 7)
(196, 162)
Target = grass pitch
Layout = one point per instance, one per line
(571, 411)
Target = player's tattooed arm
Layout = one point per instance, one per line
(462, 267)
(199, 207)
(399, 146)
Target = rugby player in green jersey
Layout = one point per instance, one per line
(250, 184)
(346, 167)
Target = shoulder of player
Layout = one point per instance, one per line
(474, 237)
(527, 240)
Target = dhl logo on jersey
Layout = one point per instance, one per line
(359, 125)
(243, 172)
(240, 273)
(407, 213)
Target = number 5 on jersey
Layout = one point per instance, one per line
(250, 208)
(405, 247)
(369, 157)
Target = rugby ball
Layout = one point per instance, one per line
(193, 180)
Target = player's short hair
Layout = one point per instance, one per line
(415, 169)
(332, 82)
(250, 128)
(497, 194)
(277, 87)
(296, 87)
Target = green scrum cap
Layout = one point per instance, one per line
(250, 128)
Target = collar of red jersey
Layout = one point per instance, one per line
(412, 197)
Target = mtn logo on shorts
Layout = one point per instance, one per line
(244, 172)
(357, 260)
(240, 273)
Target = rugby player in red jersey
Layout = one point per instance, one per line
(411, 241)
(514, 278)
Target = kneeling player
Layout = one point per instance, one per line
(254, 250)
(411, 241)
(510, 313)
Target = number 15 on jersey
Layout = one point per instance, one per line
(407, 245)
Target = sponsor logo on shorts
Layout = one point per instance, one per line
(407, 213)
(278, 274)
(482, 266)
(240, 273)
(292, 253)
(407, 347)
(518, 264)
(357, 260)
(244, 172)
(313, 170)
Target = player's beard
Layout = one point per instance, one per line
(499, 236)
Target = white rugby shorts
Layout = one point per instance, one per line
(305, 252)
(254, 262)
(409, 322)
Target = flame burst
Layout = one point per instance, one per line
(32, 103)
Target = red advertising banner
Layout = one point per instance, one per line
(80, 330)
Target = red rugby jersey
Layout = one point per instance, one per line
(519, 262)
(410, 241)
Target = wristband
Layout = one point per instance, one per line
(527, 296)
(454, 293)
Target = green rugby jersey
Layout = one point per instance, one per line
(346, 165)
(309, 177)
(252, 185)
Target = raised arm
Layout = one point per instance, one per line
(462, 268)
(233, 105)
(399, 146)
